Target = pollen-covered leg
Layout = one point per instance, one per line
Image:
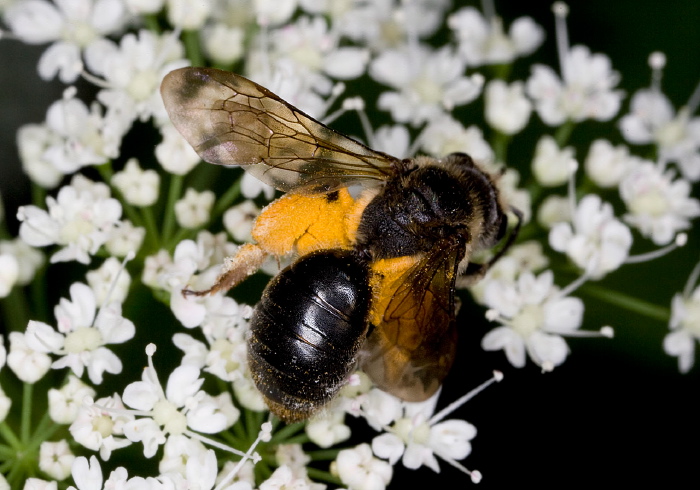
(246, 262)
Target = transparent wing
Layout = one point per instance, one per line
(412, 351)
(230, 120)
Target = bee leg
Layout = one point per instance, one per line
(246, 262)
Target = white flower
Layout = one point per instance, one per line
(652, 119)
(596, 241)
(507, 108)
(416, 438)
(360, 470)
(223, 44)
(327, 429)
(188, 14)
(393, 140)
(80, 219)
(309, 43)
(65, 402)
(125, 239)
(28, 363)
(99, 426)
(193, 210)
(9, 273)
(82, 334)
(445, 135)
(426, 83)
(657, 206)
(84, 135)
(483, 42)
(177, 452)
(293, 456)
(238, 220)
(284, 478)
(5, 405)
(87, 476)
(110, 282)
(224, 354)
(33, 141)
(274, 12)
(384, 24)
(144, 6)
(685, 329)
(56, 459)
(73, 25)
(606, 165)
(29, 259)
(534, 315)
(139, 187)
(133, 72)
(37, 484)
(552, 166)
(174, 153)
(584, 91)
(252, 187)
(181, 407)
(553, 210)
(521, 257)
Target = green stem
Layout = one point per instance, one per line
(227, 198)
(628, 302)
(192, 48)
(323, 454)
(38, 196)
(151, 21)
(564, 133)
(499, 143)
(44, 430)
(10, 436)
(25, 428)
(7, 452)
(15, 310)
(285, 432)
(174, 192)
(322, 475)
(152, 234)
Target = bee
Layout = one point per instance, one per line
(380, 243)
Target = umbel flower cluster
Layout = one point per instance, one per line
(108, 357)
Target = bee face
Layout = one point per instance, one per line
(374, 282)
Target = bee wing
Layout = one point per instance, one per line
(230, 120)
(412, 351)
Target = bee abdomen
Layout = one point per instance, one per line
(306, 331)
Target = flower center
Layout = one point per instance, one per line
(410, 432)
(75, 229)
(691, 322)
(428, 90)
(83, 339)
(652, 203)
(528, 320)
(80, 33)
(226, 352)
(308, 56)
(103, 425)
(169, 417)
(673, 132)
(142, 85)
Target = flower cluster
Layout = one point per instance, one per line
(118, 230)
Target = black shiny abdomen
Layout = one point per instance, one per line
(307, 329)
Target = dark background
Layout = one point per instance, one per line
(617, 411)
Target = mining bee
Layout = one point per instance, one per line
(379, 241)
